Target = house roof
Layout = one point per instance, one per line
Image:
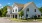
(19, 5)
(27, 4)
(23, 6)
(9, 7)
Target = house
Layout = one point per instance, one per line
(29, 10)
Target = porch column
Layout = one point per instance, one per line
(10, 15)
(14, 15)
(17, 16)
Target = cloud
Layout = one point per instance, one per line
(8, 3)
(0, 4)
(1, 7)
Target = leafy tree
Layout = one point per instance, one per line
(21, 13)
(0, 13)
(4, 11)
(40, 9)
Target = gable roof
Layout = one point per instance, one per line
(9, 7)
(23, 6)
(19, 5)
(27, 4)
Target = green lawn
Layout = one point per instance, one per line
(39, 19)
(18, 20)
(29, 20)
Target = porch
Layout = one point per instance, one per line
(14, 15)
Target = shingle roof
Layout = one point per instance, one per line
(9, 7)
(19, 5)
(27, 4)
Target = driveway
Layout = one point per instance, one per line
(4, 20)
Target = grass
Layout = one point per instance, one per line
(18, 20)
(39, 19)
(29, 20)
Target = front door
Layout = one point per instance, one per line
(26, 15)
(16, 16)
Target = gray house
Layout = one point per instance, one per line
(29, 9)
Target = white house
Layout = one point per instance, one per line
(29, 10)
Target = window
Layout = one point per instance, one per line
(13, 10)
(41, 14)
(35, 10)
(38, 16)
(27, 9)
(26, 15)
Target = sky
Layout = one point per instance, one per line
(10, 2)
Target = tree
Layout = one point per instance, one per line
(21, 13)
(4, 11)
(0, 13)
(40, 9)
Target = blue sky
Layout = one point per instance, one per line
(10, 2)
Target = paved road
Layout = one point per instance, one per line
(4, 20)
